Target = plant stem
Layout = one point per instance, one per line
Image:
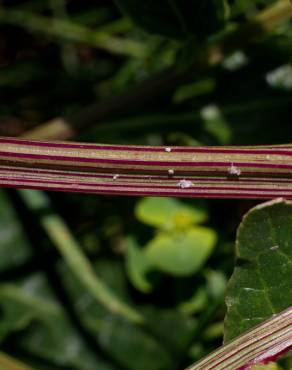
(72, 253)
(263, 343)
(262, 172)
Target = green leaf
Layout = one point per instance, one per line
(196, 303)
(137, 266)
(181, 253)
(46, 330)
(132, 347)
(168, 213)
(173, 328)
(126, 342)
(216, 283)
(14, 246)
(261, 283)
(193, 90)
(177, 18)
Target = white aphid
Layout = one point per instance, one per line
(185, 184)
(274, 248)
(170, 172)
(168, 150)
(234, 170)
(115, 177)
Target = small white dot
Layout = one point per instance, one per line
(115, 177)
(274, 248)
(185, 184)
(170, 172)
(234, 170)
(168, 150)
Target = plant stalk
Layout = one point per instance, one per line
(260, 345)
(262, 172)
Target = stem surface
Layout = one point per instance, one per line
(261, 172)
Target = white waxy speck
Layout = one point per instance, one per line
(274, 248)
(115, 177)
(168, 150)
(185, 184)
(170, 172)
(234, 170)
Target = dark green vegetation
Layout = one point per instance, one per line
(139, 284)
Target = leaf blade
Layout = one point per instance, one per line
(260, 285)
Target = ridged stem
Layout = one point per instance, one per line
(262, 344)
(262, 172)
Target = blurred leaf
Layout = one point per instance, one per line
(173, 328)
(137, 266)
(48, 332)
(181, 253)
(215, 124)
(216, 283)
(271, 366)
(214, 331)
(219, 129)
(168, 213)
(72, 252)
(261, 283)
(196, 303)
(129, 344)
(235, 61)
(190, 91)
(14, 246)
(281, 77)
(177, 19)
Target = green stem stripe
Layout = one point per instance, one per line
(260, 345)
(202, 172)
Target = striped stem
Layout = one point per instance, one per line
(200, 172)
(262, 344)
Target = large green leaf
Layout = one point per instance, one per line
(176, 18)
(14, 246)
(261, 283)
(181, 253)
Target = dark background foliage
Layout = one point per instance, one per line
(58, 57)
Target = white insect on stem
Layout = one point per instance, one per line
(185, 184)
(115, 177)
(170, 172)
(167, 149)
(234, 170)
